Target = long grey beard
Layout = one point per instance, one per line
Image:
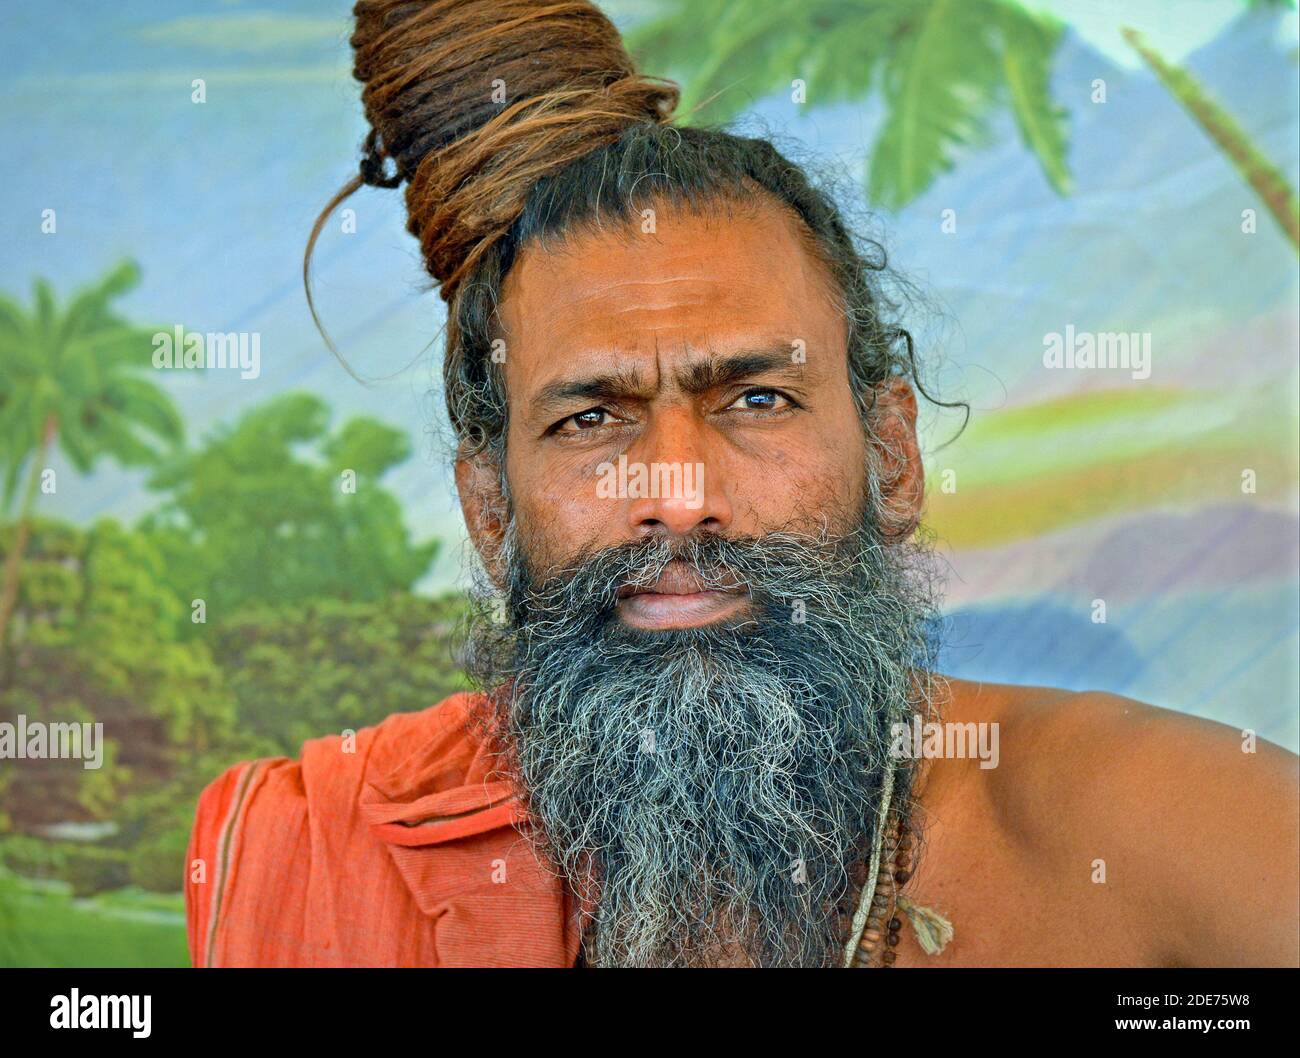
(711, 794)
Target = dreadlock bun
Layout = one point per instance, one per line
(474, 101)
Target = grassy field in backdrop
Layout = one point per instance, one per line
(42, 924)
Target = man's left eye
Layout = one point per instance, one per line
(761, 400)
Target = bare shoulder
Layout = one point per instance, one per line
(1102, 758)
(1198, 823)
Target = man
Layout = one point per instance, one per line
(1197, 838)
(695, 498)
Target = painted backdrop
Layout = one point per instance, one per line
(182, 565)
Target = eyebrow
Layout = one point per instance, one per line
(694, 378)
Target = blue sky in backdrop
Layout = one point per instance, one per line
(216, 201)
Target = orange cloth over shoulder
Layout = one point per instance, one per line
(401, 853)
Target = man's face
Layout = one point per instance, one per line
(709, 350)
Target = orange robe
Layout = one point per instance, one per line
(401, 853)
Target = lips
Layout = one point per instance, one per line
(679, 598)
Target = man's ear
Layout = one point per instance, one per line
(898, 458)
(478, 482)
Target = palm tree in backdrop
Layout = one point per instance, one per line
(1264, 178)
(942, 68)
(71, 378)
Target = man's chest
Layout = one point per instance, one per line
(1011, 907)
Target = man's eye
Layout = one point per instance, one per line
(585, 420)
(761, 400)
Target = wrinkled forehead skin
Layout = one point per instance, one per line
(698, 283)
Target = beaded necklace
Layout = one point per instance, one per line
(876, 918)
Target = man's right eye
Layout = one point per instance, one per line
(584, 420)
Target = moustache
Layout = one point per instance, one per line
(764, 568)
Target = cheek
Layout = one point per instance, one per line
(802, 485)
(556, 507)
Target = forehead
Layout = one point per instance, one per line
(699, 281)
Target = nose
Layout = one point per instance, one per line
(684, 491)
